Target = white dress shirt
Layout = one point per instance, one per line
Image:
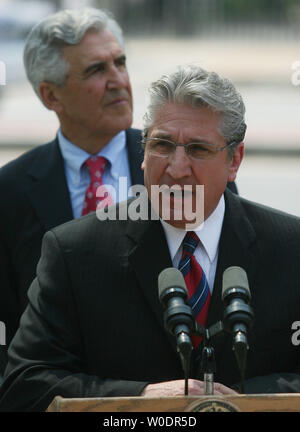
(206, 253)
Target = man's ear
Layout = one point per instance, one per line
(49, 95)
(236, 162)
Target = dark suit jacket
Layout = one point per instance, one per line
(94, 325)
(35, 198)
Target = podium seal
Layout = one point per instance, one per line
(212, 405)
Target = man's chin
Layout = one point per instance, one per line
(178, 209)
(118, 122)
(178, 221)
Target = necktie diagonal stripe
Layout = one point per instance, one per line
(196, 282)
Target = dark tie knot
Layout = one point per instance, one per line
(190, 242)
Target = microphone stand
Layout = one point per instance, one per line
(186, 378)
(184, 347)
(208, 363)
(240, 348)
(208, 368)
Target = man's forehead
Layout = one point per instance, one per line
(172, 116)
(178, 122)
(96, 44)
(183, 112)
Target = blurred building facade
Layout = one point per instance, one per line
(254, 43)
(255, 18)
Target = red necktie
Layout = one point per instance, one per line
(196, 282)
(96, 166)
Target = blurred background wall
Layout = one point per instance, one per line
(254, 43)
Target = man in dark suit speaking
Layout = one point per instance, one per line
(75, 61)
(94, 325)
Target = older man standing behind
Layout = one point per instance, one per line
(76, 64)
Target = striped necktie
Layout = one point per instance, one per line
(196, 282)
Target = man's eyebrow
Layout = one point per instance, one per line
(160, 134)
(101, 64)
(165, 135)
(93, 66)
(121, 57)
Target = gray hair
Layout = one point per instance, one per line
(197, 87)
(43, 58)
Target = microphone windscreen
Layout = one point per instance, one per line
(235, 277)
(170, 278)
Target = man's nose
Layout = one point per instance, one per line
(117, 78)
(179, 164)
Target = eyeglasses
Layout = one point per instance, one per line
(199, 151)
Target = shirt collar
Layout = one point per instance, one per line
(113, 150)
(75, 156)
(208, 232)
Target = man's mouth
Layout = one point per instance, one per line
(117, 98)
(179, 192)
(119, 101)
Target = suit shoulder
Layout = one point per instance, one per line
(18, 166)
(261, 209)
(270, 219)
(134, 135)
(135, 131)
(86, 227)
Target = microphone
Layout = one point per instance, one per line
(178, 315)
(238, 315)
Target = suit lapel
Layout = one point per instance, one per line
(148, 258)
(236, 248)
(47, 188)
(135, 155)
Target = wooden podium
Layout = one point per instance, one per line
(243, 403)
